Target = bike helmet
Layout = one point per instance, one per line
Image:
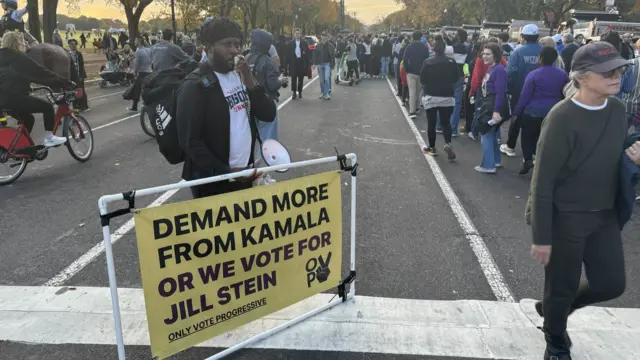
(10, 2)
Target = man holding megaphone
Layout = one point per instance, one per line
(216, 130)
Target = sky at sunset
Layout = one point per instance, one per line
(366, 10)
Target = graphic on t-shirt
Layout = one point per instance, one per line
(237, 98)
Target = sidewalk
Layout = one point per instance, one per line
(462, 328)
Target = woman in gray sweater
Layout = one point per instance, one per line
(571, 207)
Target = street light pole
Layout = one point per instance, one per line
(342, 13)
(173, 19)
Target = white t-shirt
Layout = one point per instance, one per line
(367, 48)
(298, 49)
(239, 129)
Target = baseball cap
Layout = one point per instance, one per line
(598, 56)
(557, 38)
(530, 29)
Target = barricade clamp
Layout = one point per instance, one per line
(343, 163)
(342, 292)
(129, 196)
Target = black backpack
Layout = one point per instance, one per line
(159, 93)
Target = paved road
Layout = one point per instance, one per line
(411, 244)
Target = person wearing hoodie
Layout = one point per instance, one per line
(266, 71)
(17, 72)
(522, 61)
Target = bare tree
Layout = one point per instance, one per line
(133, 10)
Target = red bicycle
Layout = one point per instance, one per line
(17, 148)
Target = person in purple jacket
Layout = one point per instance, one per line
(494, 108)
(541, 91)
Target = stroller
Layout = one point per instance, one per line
(343, 72)
(114, 73)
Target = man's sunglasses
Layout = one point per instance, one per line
(614, 72)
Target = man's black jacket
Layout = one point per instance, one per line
(291, 57)
(203, 123)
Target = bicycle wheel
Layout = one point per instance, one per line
(11, 169)
(145, 122)
(79, 137)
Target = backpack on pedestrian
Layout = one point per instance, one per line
(159, 93)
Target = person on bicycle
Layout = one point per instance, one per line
(17, 72)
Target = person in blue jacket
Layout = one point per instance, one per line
(522, 61)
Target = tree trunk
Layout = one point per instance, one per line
(49, 19)
(254, 15)
(133, 21)
(245, 20)
(34, 20)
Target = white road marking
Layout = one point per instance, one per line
(489, 267)
(460, 328)
(84, 260)
(107, 95)
(93, 253)
(115, 122)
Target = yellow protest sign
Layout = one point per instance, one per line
(213, 264)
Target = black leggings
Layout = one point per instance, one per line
(24, 107)
(529, 135)
(432, 119)
(366, 64)
(589, 238)
(353, 66)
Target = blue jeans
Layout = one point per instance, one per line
(490, 150)
(324, 72)
(268, 130)
(455, 117)
(384, 65)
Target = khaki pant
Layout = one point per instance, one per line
(413, 81)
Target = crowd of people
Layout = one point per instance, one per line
(574, 104)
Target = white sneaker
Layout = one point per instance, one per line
(484, 170)
(51, 141)
(505, 149)
(471, 136)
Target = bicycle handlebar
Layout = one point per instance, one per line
(34, 89)
(53, 95)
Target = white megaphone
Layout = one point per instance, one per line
(274, 153)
